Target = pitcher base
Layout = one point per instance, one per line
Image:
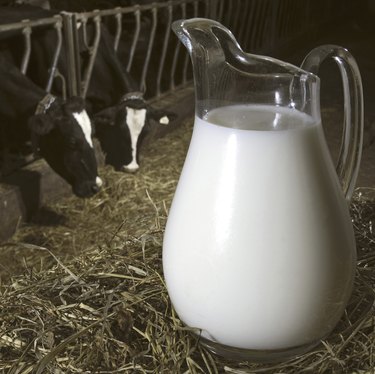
(255, 355)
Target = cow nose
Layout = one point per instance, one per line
(99, 182)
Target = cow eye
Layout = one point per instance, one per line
(74, 143)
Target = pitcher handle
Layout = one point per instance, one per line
(351, 146)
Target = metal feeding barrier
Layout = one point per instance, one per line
(147, 50)
(142, 41)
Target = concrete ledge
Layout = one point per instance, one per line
(25, 191)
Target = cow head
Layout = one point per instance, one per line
(122, 128)
(62, 131)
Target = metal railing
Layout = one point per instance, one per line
(145, 32)
(260, 26)
(268, 26)
(147, 50)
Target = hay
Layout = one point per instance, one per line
(83, 290)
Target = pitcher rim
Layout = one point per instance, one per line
(178, 28)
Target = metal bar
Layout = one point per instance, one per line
(149, 49)
(261, 25)
(137, 15)
(249, 31)
(93, 51)
(207, 9)
(26, 55)
(84, 32)
(290, 17)
(131, 9)
(174, 66)
(254, 29)
(164, 50)
(195, 8)
(58, 75)
(243, 24)
(29, 23)
(186, 58)
(118, 17)
(237, 15)
(56, 56)
(221, 11)
(69, 46)
(228, 14)
(272, 35)
(283, 19)
(77, 60)
(188, 73)
(212, 9)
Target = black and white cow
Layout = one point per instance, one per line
(124, 124)
(60, 130)
(121, 115)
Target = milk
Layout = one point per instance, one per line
(259, 249)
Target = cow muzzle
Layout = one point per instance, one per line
(87, 188)
(131, 168)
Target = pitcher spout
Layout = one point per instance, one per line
(226, 75)
(210, 46)
(204, 38)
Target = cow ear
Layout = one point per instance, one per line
(105, 117)
(40, 124)
(166, 117)
(74, 104)
(163, 117)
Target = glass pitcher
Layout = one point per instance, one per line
(259, 252)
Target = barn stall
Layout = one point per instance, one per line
(82, 285)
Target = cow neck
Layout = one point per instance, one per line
(107, 61)
(19, 95)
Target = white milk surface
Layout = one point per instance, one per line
(259, 249)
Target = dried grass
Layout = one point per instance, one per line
(83, 289)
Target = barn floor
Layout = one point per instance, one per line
(64, 273)
(82, 283)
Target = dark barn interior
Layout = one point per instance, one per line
(81, 279)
